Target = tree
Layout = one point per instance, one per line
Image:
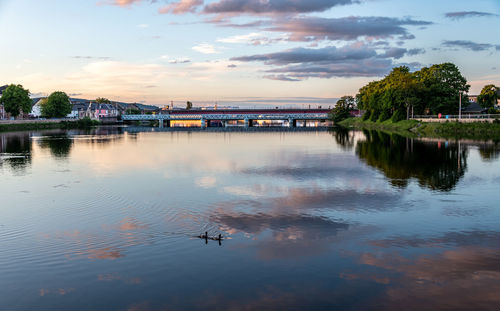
(58, 105)
(16, 100)
(189, 105)
(443, 85)
(132, 111)
(402, 93)
(342, 109)
(489, 96)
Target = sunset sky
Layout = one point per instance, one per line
(256, 52)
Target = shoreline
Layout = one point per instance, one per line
(33, 125)
(413, 128)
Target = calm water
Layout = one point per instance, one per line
(104, 220)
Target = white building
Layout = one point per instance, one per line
(36, 110)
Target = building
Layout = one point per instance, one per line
(147, 109)
(474, 108)
(36, 109)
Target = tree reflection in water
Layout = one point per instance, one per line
(437, 166)
(15, 150)
(58, 144)
(344, 138)
(490, 152)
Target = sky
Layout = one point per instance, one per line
(239, 52)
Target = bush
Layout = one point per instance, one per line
(81, 124)
(492, 110)
(384, 115)
(366, 115)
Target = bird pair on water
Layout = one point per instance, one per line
(206, 237)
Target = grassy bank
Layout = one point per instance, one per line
(452, 129)
(83, 123)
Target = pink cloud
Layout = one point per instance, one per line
(181, 7)
(123, 3)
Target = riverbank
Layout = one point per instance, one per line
(476, 130)
(29, 125)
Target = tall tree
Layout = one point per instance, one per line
(489, 96)
(58, 105)
(16, 100)
(342, 109)
(189, 105)
(443, 84)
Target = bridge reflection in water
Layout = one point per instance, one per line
(243, 118)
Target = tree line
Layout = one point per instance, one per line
(16, 101)
(431, 90)
(402, 93)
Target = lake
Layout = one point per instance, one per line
(107, 219)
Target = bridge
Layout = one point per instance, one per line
(206, 117)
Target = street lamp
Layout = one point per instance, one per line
(460, 105)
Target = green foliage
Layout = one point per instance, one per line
(430, 90)
(16, 99)
(366, 115)
(132, 111)
(101, 100)
(57, 105)
(492, 110)
(81, 124)
(384, 115)
(489, 96)
(374, 114)
(342, 109)
(397, 116)
(189, 105)
(442, 85)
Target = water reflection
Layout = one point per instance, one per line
(489, 152)
(437, 166)
(58, 144)
(15, 150)
(313, 220)
(345, 138)
(466, 277)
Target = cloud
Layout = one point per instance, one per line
(345, 28)
(92, 57)
(254, 38)
(469, 45)
(413, 52)
(124, 3)
(182, 60)
(106, 77)
(467, 14)
(206, 48)
(349, 61)
(272, 6)
(396, 53)
(305, 55)
(181, 7)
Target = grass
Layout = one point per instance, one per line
(83, 123)
(476, 130)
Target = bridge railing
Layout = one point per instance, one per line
(277, 116)
(463, 116)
